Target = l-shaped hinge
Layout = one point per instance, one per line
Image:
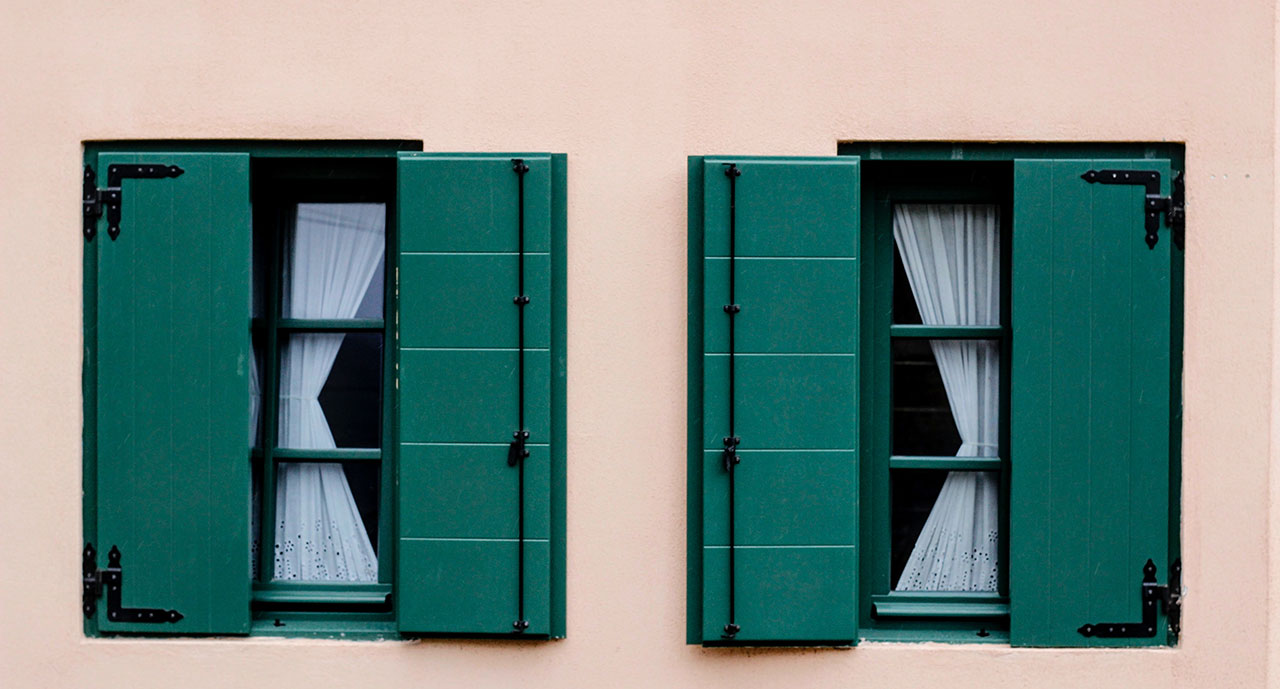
(94, 199)
(94, 580)
(1168, 596)
(1173, 206)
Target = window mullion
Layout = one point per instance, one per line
(270, 406)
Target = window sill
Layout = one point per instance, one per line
(352, 630)
(920, 636)
(934, 605)
(285, 593)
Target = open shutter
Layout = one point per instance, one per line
(168, 357)
(1091, 404)
(774, 533)
(474, 532)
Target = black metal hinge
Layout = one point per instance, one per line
(1168, 596)
(112, 578)
(94, 199)
(1173, 206)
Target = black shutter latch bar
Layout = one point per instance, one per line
(95, 199)
(1173, 206)
(112, 579)
(1168, 596)
(518, 452)
(731, 441)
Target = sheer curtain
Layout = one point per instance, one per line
(952, 258)
(334, 251)
(255, 411)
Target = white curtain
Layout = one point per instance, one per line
(951, 253)
(255, 410)
(255, 399)
(334, 251)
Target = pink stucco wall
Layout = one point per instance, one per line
(628, 91)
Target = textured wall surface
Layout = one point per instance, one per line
(628, 94)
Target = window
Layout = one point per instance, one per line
(323, 434)
(388, 326)
(916, 378)
(935, 383)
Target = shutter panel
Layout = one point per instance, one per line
(1091, 403)
(168, 340)
(458, 562)
(794, 492)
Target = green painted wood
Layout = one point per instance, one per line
(471, 395)
(947, 606)
(946, 463)
(319, 325)
(459, 491)
(785, 594)
(460, 292)
(1090, 417)
(788, 305)
(559, 388)
(883, 186)
(172, 359)
(340, 454)
(796, 399)
(450, 216)
(788, 401)
(457, 568)
(948, 332)
(469, 587)
(693, 402)
(791, 497)
(335, 594)
(787, 207)
(876, 388)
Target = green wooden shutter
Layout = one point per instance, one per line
(796, 400)
(458, 519)
(1091, 403)
(167, 389)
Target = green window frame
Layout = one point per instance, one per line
(886, 614)
(1077, 276)
(278, 186)
(181, 518)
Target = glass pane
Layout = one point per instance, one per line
(945, 531)
(905, 310)
(255, 519)
(914, 492)
(952, 409)
(256, 376)
(332, 256)
(330, 391)
(261, 271)
(946, 264)
(371, 306)
(327, 521)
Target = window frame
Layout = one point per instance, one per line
(949, 151)
(920, 615)
(874, 152)
(293, 623)
(278, 186)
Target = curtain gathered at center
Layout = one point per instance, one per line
(333, 254)
(951, 253)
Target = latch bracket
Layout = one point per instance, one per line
(94, 580)
(108, 197)
(1169, 596)
(1173, 206)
